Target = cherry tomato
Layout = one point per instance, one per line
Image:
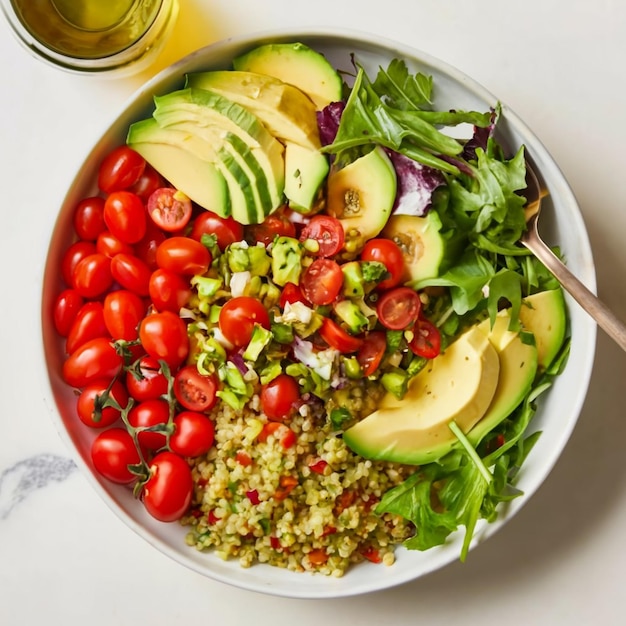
(168, 291)
(327, 231)
(339, 339)
(372, 351)
(120, 169)
(148, 183)
(147, 381)
(112, 451)
(281, 432)
(225, 229)
(275, 225)
(183, 255)
(195, 391)
(238, 317)
(89, 324)
(398, 308)
(123, 310)
(95, 359)
(100, 417)
(110, 245)
(92, 276)
(167, 494)
(388, 253)
(169, 209)
(147, 247)
(72, 256)
(89, 218)
(164, 336)
(125, 216)
(194, 434)
(148, 414)
(131, 273)
(65, 309)
(279, 397)
(321, 282)
(291, 294)
(426, 340)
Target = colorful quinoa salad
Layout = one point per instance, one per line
(298, 317)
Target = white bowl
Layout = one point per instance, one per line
(559, 408)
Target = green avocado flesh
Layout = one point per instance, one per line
(415, 430)
(298, 65)
(361, 196)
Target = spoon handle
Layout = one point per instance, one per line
(605, 318)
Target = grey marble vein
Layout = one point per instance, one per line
(27, 476)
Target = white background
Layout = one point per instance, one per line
(65, 558)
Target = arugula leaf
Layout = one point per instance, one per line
(402, 90)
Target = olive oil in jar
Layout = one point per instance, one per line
(88, 29)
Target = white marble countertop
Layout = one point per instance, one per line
(66, 559)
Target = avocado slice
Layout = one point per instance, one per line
(458, 386)
(198, 178)
(544, 314)
(285, 110)
(361, 196)
(156, 145)
(298, 65)
(305, 173)
(421, 243)
(193, 110)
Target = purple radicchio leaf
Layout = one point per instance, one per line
(416, 184)
(328, 121)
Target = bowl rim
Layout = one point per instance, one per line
(311, 587)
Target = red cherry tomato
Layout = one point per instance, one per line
(89, 218)
(112, 451)
(337, 338)
(225, 229)
(95, 359)
(72, 256)
(120, 169)
(131, 273)
(89, 324)
(321, 282)
(398, 308)
(65, 309)
(238, 317)
(146, 415)
(110, 245)
(279, 397)
(195, 391)
(99, 416)
(194, 434)
(426, 340)
(147, 247)
(147, 382)
(388, 253)
(291, 294)
(372, 351)
(123, 310)
(327, 231)
(168, 291)
(164, 336)
(183, 255)
(167, 494)
(169, 209)
(92, 276)
(148, 183)
(275, 225)
(125, 216)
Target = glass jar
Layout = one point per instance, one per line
(92, 36)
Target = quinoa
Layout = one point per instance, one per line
(305, 507)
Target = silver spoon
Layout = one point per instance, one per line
(604, 317)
